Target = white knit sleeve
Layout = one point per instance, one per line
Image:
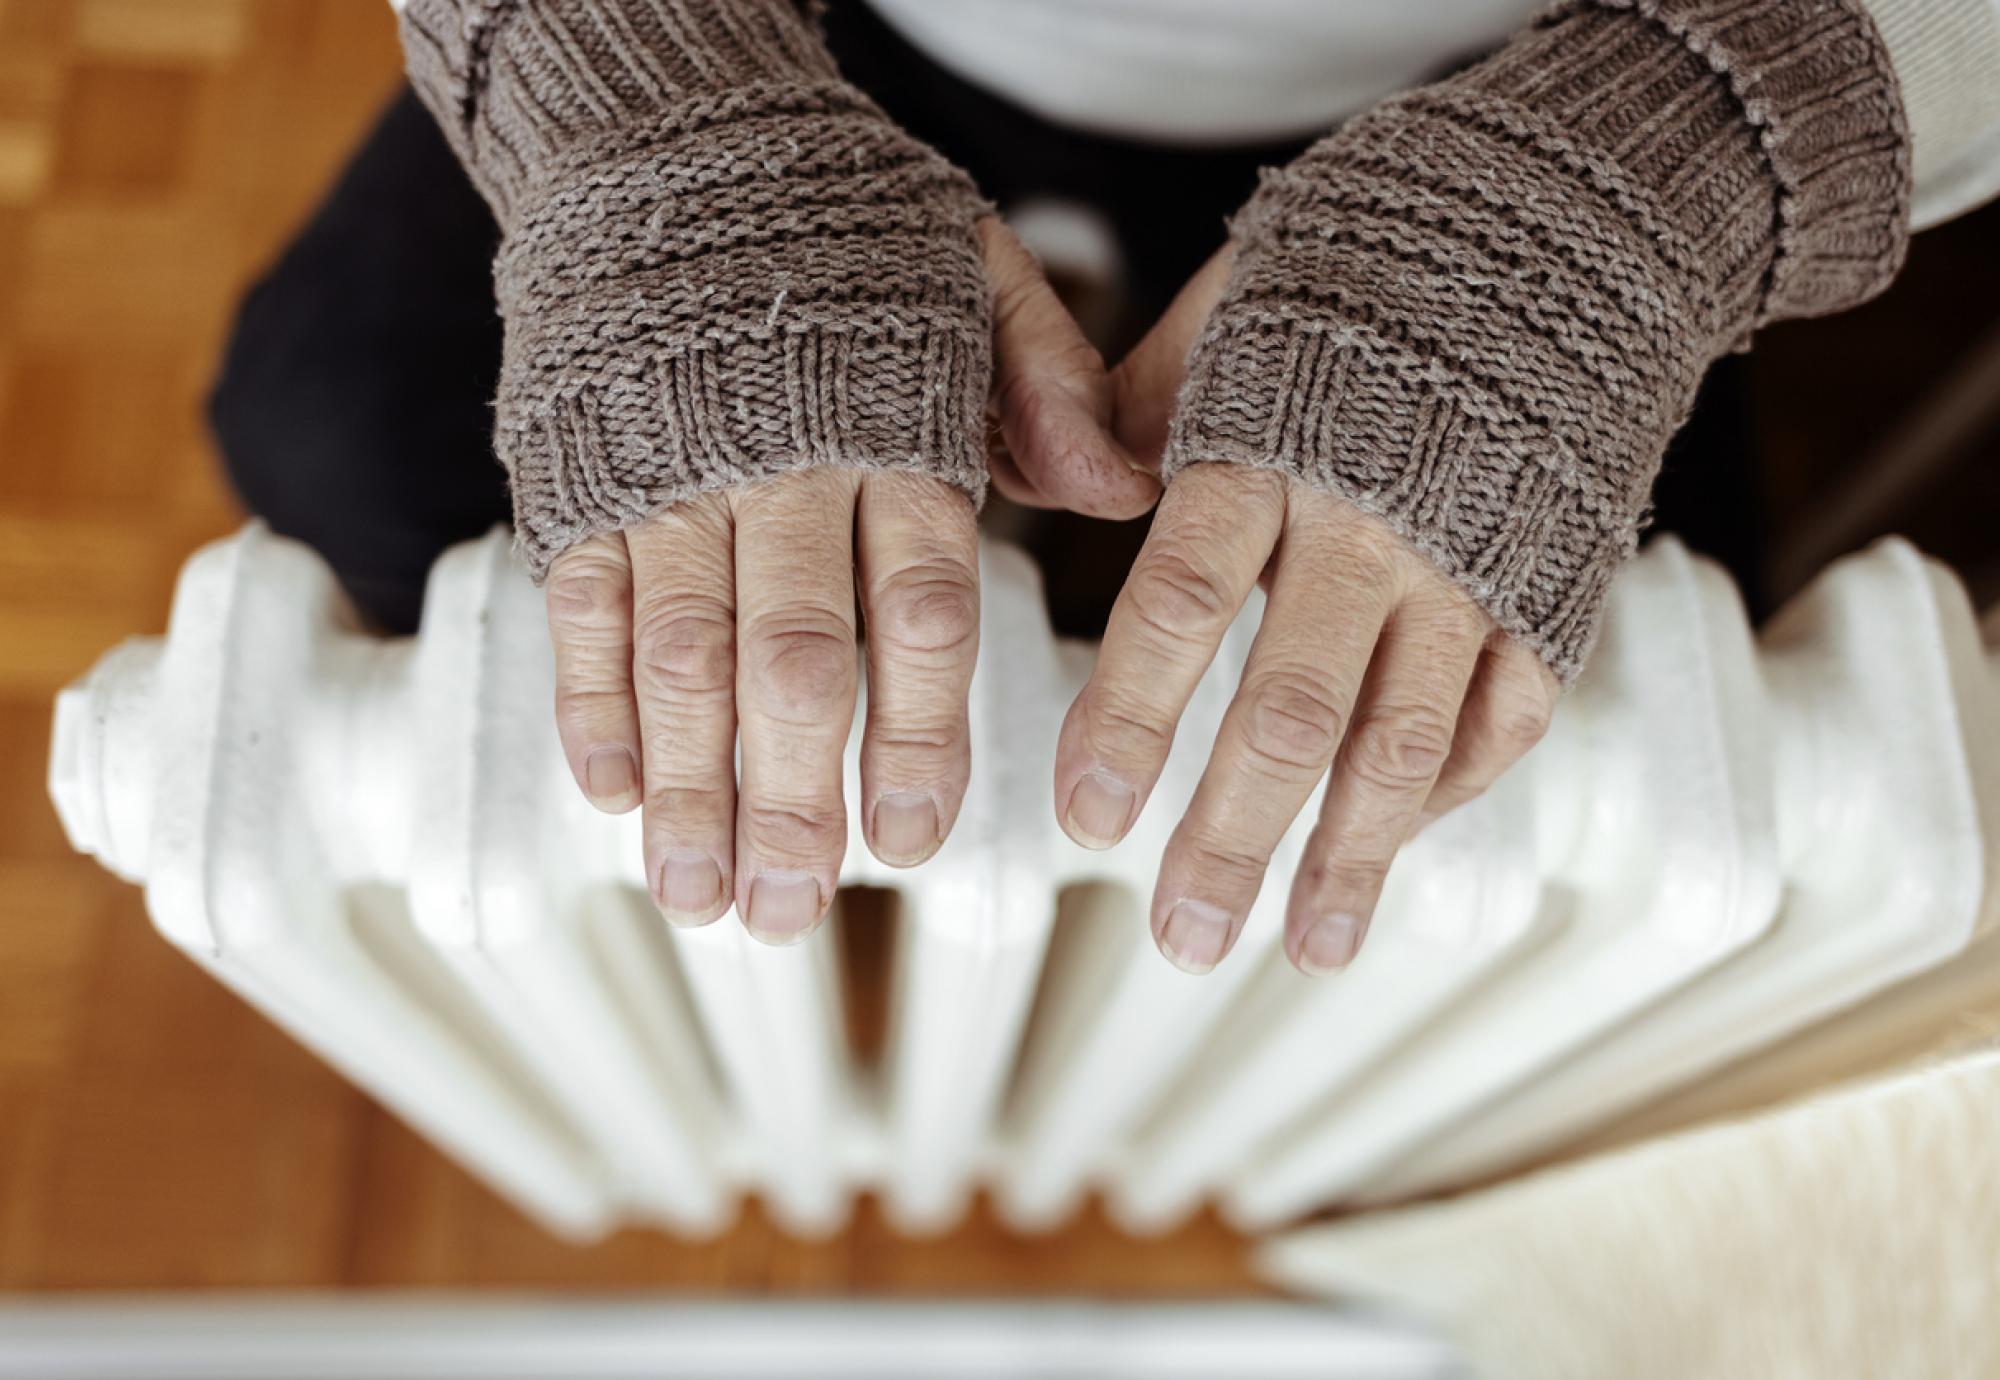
(1947, 58)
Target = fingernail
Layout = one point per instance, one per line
(1195, 935)
(784, 906)
(610, 774)
(906, 827)
(690, 885)
(1331, 944)
(1100, 807)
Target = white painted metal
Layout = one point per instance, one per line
(486, 887)
(1889, 753)
(198, 750)
(377, 844)
(1081, 1086)
(1460, 904)
(533, 1339)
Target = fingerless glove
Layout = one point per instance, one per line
(1480, 310)
(719, 261)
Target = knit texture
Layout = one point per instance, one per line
(719, 262)
(1481, 310)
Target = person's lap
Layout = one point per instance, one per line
(352, 410)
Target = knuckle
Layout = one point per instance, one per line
(679, 803)
(1523, 725)
(919, 742)
(587, 713)
(802, 666)
(685, 649)
(1400, 748)
(1176, 597)
(793, 831)
(1447, 615)
(1343, 876)
(1371, 564)
(1291, 721)
(589, 590)
(1218, 490)
(927, 608)
(1112, 718)
(1220, 859)
(1360, 548)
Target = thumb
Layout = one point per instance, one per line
(1053, 396)
(1148, 381)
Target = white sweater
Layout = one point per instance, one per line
(1207, 71)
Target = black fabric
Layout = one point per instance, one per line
(352, 408)
(353, 405)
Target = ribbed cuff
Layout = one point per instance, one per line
(718, 414)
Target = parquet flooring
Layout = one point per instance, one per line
(155, 1133)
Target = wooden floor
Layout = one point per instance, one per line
(154, 1133)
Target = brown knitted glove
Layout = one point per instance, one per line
(720, 262)
(1481, 310)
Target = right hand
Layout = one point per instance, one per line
(734, 615)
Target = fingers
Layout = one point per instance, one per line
(590, 625)
(682, 667)
(1506, 712)
(1053, 396)
(1147, 382)
(1332, 590)
(1400, 737)
(795, 687)
(917, 560)
(1210, 540)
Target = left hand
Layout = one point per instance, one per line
(1369, 661)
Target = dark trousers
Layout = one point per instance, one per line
(353, 406)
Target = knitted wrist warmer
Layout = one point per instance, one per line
(1480, 310)
(719, 261)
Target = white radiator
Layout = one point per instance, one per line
(376, 843)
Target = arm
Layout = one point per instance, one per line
(1480, 311)
(720, 262)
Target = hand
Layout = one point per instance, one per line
(1053, 399)
(734, 615)
(1368, 661)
